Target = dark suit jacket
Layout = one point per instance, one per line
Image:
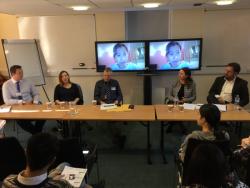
(240, 88)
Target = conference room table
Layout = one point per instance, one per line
(140, 113)
(232, 114)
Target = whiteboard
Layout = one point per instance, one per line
(25, 53)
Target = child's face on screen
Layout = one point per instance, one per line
(174, 55)
(121, 56)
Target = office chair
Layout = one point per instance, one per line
(12, 158)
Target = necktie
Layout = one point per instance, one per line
(18, 90)
(107, 92)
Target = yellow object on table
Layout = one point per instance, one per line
(122, 108)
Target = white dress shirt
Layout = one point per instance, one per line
(28, 92)
(226, 91)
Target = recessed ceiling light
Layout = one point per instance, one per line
(224, 2)
(151, 5)
(79, 8)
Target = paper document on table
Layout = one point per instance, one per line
(222, 107)
(122, 108)
(63, 110)
(188, 106)
(197, 106)
(4, 109)
(27, 111)
(74, 175)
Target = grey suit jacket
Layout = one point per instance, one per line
(189, 91)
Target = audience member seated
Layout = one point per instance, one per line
(208, 120)
(19, 90)
(245, 142)
(207, 167)
(41, 153)
(241, 161)
(12, 158)
(67, 91)
(225, 88)
(182, 91)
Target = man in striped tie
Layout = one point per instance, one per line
(18, 90)
(108, 91)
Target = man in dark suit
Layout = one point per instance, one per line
(227, 87)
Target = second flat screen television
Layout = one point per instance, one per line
(120, 56)
(175, 54)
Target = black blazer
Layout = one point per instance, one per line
(240, 88)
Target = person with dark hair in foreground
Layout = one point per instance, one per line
(207, 167)
(208, 120)
(40, 154)
(227, 88)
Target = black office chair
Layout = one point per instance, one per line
(12, 157)
(81, 101)
(182, 166)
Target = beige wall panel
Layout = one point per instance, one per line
(110, 26)
(186, 23)
(8, 30)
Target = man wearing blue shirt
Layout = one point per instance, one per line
(21, 91)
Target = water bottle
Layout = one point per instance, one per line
(237, 101)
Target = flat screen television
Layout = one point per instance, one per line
(120, 56)
(174, 54)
